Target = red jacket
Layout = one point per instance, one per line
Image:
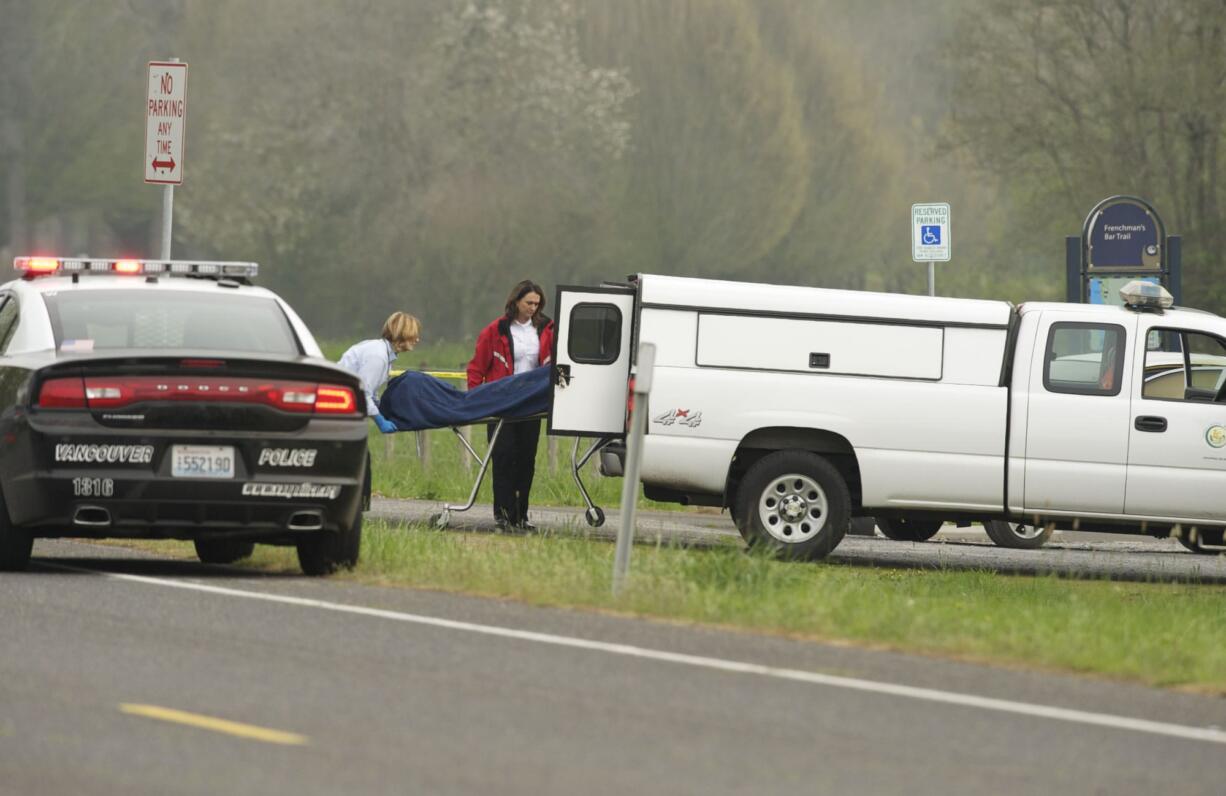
(495, 356)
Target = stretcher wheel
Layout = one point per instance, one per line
(440, 520)
(594, 516)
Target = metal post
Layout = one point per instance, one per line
(932, 278)
(168, 215)
(168, 210)
(634, 452)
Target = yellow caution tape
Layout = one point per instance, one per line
(439, 374)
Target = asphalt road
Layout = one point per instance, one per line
(118, 670)
(1090, 555)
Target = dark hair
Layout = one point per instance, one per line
(520, 290)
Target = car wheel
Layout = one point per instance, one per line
(794, 504)
(223, 551)
(907, 529)
(15, 544)
(1197, 539)
(324, 552)
(1017, 535)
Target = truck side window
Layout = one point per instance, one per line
(595, 333)
(1191, 367)
(1084, 358)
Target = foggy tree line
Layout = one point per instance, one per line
(426, 154)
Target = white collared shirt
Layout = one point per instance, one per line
(527, 346)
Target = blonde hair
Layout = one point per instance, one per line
(401, 327)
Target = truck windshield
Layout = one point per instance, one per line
(114, 319)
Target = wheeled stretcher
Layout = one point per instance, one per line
(416, 402)
(593, 514)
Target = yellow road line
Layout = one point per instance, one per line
(216, 725)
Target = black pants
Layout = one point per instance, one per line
(514, 465)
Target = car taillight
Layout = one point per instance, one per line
(62, 393)
(103, 392)
(334, 400)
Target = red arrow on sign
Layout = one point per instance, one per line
(164, 164)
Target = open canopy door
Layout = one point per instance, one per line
(591, 368)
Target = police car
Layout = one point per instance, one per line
(172, 399)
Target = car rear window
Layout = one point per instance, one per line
(110, 319)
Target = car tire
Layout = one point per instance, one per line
(324, 552)
(909, 529)
(1017, 535)
(16, 544)
(794, 504)
(223, 551)
(1195, 541)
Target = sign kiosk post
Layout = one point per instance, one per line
(165, 119)
(930, 238)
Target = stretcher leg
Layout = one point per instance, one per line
(441, 519)
(594, 514)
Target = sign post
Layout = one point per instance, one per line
(165, 119)
(634, 454)
(930, 238)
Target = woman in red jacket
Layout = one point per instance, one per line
(520, 340)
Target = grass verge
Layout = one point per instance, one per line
(1168, 635)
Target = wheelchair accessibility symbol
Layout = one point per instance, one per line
(930, 235)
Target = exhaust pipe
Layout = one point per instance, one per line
(91, 517)
(306, 521)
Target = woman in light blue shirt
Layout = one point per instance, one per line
(371, 361)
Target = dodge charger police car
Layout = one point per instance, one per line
(172, 399)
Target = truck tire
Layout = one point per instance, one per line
(1196, 541)
(907, 529)
(223, 551)
(16, 544)
(1017, 535)
(794, 504)
(324, 552)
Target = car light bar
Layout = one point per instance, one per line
(30, 267)
(1143, 295)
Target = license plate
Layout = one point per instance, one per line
(202, 461)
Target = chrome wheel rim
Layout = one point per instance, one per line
(1026, 532)
(793, 508)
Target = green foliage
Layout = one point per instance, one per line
(425, 156)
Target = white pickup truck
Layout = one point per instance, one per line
(800, 408)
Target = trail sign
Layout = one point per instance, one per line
(165, 118)
(930, 232)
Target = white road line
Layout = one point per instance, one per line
(1209, 734)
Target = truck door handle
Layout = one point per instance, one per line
(1151, 423)
(561, 376)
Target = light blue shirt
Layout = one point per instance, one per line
(371, 361)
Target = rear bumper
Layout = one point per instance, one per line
(47, 505)
(71, 479)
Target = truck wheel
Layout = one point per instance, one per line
(16, 544)
(324, 552)
(223, 551)
(1197, 540)
(904, 529)
(793, 503)
(1017, 535)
